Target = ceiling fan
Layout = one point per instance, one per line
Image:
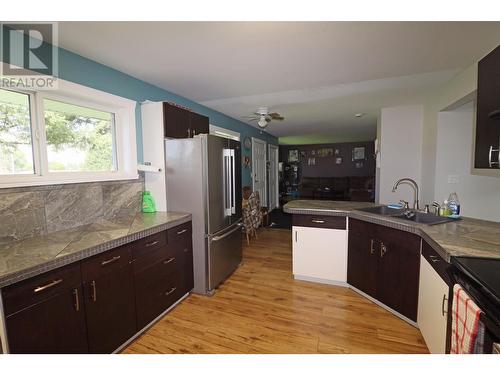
(263, 117)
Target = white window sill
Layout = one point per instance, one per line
(11, 182)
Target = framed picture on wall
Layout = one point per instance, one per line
(338, 160)
(293, 155)
(358, 153)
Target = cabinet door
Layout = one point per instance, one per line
(488, 101)
(199, 124)
(176, 122)
(362, 256)
(398, 270)
(54, 326)
(432, 306)
(109, 300)
(320, 253)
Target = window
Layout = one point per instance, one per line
(16, 144)
(78, 138)
(73, 134)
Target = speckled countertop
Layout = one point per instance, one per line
(465, 237)
(22, 259)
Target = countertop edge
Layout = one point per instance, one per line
(315, 211)
(356, 214)
(27, 273)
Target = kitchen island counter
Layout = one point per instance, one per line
(464, 237)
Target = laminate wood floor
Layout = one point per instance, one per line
(262, 309)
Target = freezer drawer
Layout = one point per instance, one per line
(225, 255)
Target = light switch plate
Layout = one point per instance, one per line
(453, 179)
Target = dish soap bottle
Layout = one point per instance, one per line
(454, 205)
(148, 203)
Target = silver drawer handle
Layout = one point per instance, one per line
(443, 311)
(47, 286)
(170, 291)
(168, 260)
(182, 231)
(434, 258)
(152, 243)
(490, 156)
(112, 260)
(316, 221)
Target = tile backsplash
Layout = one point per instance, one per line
(31, 211)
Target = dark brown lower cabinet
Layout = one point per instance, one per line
(109, 300)
(96, 305)
(362, 258)
(385, 263)
(46, 314)
(180, 241)
(51, 326)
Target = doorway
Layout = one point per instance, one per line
(259, 180)
(273, 177)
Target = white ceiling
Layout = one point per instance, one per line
(317, 74)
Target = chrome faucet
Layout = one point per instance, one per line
(414, 185)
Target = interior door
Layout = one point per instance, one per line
(273, 177)
(259, 169)
(219, 209)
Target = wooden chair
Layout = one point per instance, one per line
(248, 220)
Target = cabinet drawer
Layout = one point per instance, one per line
(104, 263)
(437, 263)
(150, 250)
(40, 288)
(319, 221)
(156, 290)
(180, 237)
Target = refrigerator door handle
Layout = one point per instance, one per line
(227, 182)
(233, 183)
(218, 238)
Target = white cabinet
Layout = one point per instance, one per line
(432, 306)
(320, 254)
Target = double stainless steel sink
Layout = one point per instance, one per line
(410, 215)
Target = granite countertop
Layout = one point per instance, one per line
(328, 208)
(26, 258)
(465, 237)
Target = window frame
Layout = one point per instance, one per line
(124, 139)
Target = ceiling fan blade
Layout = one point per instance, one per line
(276, 116)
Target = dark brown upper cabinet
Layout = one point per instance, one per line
(198, 124)
(181, 123)
(488, 112)
(385, 264)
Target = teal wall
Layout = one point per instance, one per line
(76, 68)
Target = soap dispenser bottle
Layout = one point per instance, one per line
(454, 205)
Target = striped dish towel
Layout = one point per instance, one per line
(465, 322)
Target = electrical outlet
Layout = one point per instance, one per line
(453, 179)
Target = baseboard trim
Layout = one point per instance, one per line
(126, 343)
(394, 312)
(320, 280)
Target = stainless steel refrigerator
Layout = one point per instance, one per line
(203, 177)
